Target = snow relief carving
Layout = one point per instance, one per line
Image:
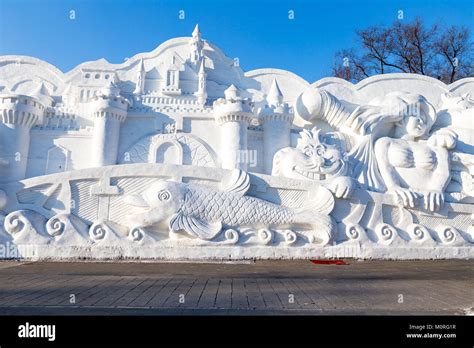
(179, 154)
(202, 212)
(316, 157)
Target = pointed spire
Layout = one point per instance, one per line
(42, 94)
(196, 45)
(274, 96)
(140, 78)
(196, 32)
(231, 93)
(41, 90)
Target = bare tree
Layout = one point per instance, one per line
(412, 46)
(377, 43)
(445, 54)
(353, 68)
(455, 49)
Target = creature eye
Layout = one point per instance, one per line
(309, 151)
(320, 150)
(164, 195)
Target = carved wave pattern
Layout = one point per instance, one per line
(28, 227)
(418, 235)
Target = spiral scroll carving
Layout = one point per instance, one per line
(26, 227)
(418, 232)
(446, 234)
(136, 234)
(55, 226)
(98, 231)
(16, 222)
(386, 233)
(231, 236)
(290, 237)
(354, 232)
(265, 235)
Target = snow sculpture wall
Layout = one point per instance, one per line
(179, 154)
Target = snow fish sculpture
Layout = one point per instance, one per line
(202, 212)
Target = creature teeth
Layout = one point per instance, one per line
(300, 172)
(306, 173)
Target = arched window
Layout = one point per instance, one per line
(57, 160)
(168, 151)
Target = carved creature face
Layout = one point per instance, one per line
(317, 157)
(156, 204)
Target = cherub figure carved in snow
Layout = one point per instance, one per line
(318, 157)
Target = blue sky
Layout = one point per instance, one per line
(258, 32)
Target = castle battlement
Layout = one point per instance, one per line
(21, 110)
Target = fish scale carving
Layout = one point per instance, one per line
(232, 209)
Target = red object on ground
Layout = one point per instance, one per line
(329, 262)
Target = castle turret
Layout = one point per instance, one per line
(196, 44)
(42, 94)
(276, 119)
(18, 113)
(201, 94)
(233, 113)
(140, 84)
(109, 111)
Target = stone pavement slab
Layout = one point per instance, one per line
(262, 287)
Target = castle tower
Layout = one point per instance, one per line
(140, 84)
(233, 113)
(18, 114)
(276, 119)
(196, 44)
(109, 111)
(201, 93)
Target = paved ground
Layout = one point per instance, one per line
(269, 287)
